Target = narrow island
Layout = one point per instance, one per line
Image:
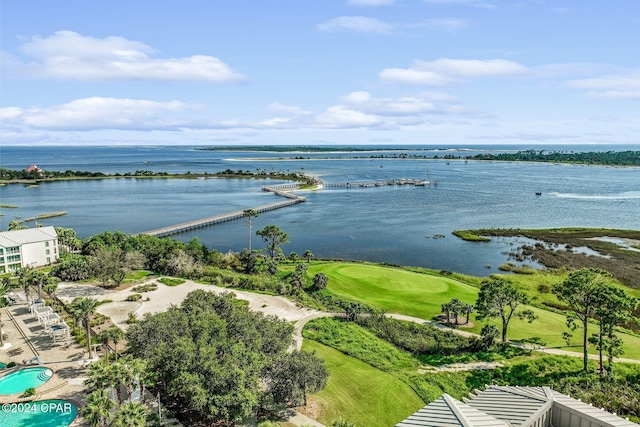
(35, 177)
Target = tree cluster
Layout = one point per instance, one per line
(499, 299)
(123, 376)
(620, 158)
(456, 308)
(223, 360)
(589, 294)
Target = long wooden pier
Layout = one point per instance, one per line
(280, 190)
(366, 184)
(283, 190)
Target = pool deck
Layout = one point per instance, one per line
(62, 357)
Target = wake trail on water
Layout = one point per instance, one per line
(627, 195)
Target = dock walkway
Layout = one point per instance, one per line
(280, 190)
(366, 184)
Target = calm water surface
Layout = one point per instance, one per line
(385, 224)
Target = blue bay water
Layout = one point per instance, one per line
(383, 224)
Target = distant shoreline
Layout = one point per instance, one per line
(608, 158)
(228, 174)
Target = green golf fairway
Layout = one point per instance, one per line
(360, 393)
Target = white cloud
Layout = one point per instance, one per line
(370, 2)
(401, 106)
(69, 55)
(446, 24)
(342, 117)
(98, 113)
(356, 110)
(362, 24)
(630, 81)
(474, 3)
(615, 94)
(282, 108)
(359, 24)
(445, 71)
(611, 86)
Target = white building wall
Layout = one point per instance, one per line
(39, 253)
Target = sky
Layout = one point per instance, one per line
(313, 72)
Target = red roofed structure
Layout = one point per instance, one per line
(34, 168)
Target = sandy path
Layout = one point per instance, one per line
(165, 296)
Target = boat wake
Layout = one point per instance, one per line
(627, 195)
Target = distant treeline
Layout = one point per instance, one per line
(613, 158)
(14, 175)
(291, 149)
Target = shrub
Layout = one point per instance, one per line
(132, 318)
(134, 297)
(29, 392)
(171, 282)
(145, 288)
(544, 289)
(11, 364)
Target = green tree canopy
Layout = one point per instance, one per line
(580, 292)
(498, 298)
(212, 353)
(273, 237)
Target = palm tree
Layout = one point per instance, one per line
(115, 335)
(24, 278)
(308, 255)
(104, 338)
(468, 309)
(4, 288)
(74, 313)
(39, 279)
(98, 409)
(131, 415)
(86, 307)
(51, 286)
(99, 376)
(134, 372)
(446, 309)
(119, 375)
(138, 369)
(250, 213)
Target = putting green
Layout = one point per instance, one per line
(393, 289)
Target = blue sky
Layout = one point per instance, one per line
(443, 72)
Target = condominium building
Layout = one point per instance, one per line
(31, 247)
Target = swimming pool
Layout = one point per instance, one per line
(43, 413)
(19, 381)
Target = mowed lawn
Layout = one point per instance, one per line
(421, 295)
(392, 289)
(360, 393)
